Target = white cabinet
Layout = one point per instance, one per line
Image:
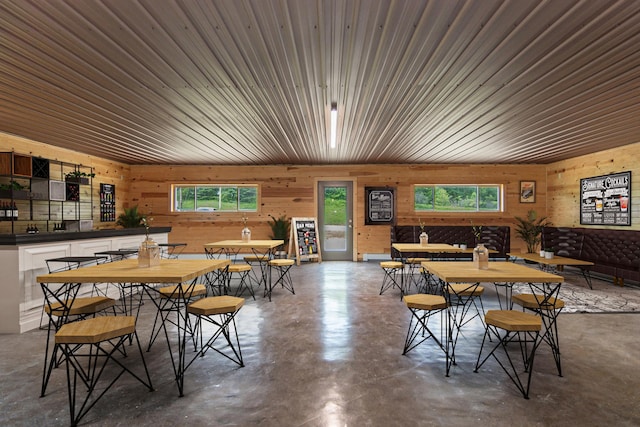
(22, 299)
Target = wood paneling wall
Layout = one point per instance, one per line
(108, 172)
(291, 190)
(563, 184)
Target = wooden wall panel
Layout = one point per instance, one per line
(563, 184)
(290, 190)
(107, 171)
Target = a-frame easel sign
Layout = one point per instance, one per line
(305, 240)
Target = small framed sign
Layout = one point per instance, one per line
(380, 205)
(527, 191)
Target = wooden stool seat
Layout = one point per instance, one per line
(422, 308)
(220, 313)
(215, 305)
(425, 302)
(238, 268)
(513, 321)
(534, 301)
(281, 262)
(82, 306)
(512, 326)
(174, 292)
(465, 289)
(547, 308)
(95, 330)
(391, 264)
(416, 260)
(282, 267)
(107, 337)
(393, 276)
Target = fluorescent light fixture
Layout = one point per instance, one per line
(334, 124)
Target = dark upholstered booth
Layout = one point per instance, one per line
(614, 252)
(493, 237)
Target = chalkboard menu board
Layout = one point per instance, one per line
(305, 238)
(380, 206)
(606, 200)
(107, 202)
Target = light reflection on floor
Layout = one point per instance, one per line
(336, 317)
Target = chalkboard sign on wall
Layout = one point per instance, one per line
(380, 206)
(606, 200)
(305, 239)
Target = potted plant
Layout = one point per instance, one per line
(280, 230)
(78, 177)
(530, 228)
(14, 190)
(130, 218)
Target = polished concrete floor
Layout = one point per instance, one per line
(331, 355)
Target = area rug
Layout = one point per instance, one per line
(581, 299)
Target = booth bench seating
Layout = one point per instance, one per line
(614, 252)
(493, 237)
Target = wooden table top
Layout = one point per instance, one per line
(556, 260)
(499, 271)
(428, 248)
(434, 248)
(127, 271)
(239, 244)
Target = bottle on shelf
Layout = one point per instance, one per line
(14, 211)
(3, 211)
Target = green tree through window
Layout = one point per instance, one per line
(457, 198)
(210, 198)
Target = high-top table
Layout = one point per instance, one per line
(262, 250)
(233, 247)
(501, 273)
(429, 248)
(169, 271)
(555, 264)
(433, 250)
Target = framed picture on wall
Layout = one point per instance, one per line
(527, 191)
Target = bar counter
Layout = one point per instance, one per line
(56, 236)
(23, 258)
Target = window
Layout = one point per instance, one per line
(212, 198)
(458, 198)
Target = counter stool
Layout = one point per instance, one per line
(423, 307)
(462, 297)
(172, 300)
(282, 267)
(261, 262)
(416, 279)
(432, 284)
(548, 310)
(65, 263)
(220, 312)
(130, 293)
(516, 326)
(392, 269)
(62, 306)
(106, 337)
(240, 273)
(171, 250)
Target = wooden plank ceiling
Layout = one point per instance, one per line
(252, 81)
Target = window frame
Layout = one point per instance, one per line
(477, 209)
(220, 191)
